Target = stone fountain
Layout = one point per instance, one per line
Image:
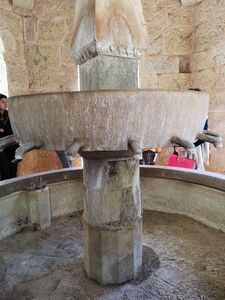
(108, 122)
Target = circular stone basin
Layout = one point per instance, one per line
(106, 120)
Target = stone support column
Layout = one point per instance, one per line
(112, 220)
(109, 40)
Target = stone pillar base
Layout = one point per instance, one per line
(113, 254)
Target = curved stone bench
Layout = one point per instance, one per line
(37, 199)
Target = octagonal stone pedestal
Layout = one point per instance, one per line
(113, 255)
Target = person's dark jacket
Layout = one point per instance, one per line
(7, 168)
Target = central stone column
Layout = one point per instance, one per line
(109, 40)
(112, 220)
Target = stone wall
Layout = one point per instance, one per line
(208, 67)
(36, 37)
(166, 64)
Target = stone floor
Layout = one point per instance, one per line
(182, 260)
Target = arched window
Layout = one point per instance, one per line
(3, 72)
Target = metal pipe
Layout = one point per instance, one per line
(62, 155)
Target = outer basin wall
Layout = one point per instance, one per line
(200, 196)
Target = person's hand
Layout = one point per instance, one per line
(1, 130)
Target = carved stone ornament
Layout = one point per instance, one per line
(112, 27)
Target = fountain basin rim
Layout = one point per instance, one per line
(11, 98)
(38, 180)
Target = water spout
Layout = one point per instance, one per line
(7, 141)
(73, 150)
(211, 137)
(22, 150)
(188, 146)
(136, 149)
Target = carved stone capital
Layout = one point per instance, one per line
(112, 27)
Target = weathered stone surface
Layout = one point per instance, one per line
(17, 76)
(23, 7)
(148, 81)
(14, 24)
(43, 56)
(112, 220)
(204, 80)
(167, 3)
(179, 16)
(174, 81)
(13, 213)
(30, 29)
(67, 79)
(66, 52)
(3, 77)
(208, 34)
(207, 10)
(112, 256)
(216, 121)
(66, 198)
(63, 79)
(217, 103)
(203, 60)
(159, 64)
(52, 30)
(114, 28)
(218, 51)
(5, 5)
(155, 38)
(134, 115)
(112, 229)
(57, 8)
(108, 72)
(14, 50)
(178, 41)
(106, 180)
(220, 83)
(155, 16)
(158, 195)
(3, 24)
(189, 2)
(39, 207)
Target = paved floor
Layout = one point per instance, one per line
(182, 260)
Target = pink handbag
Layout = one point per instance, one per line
(173, 161)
